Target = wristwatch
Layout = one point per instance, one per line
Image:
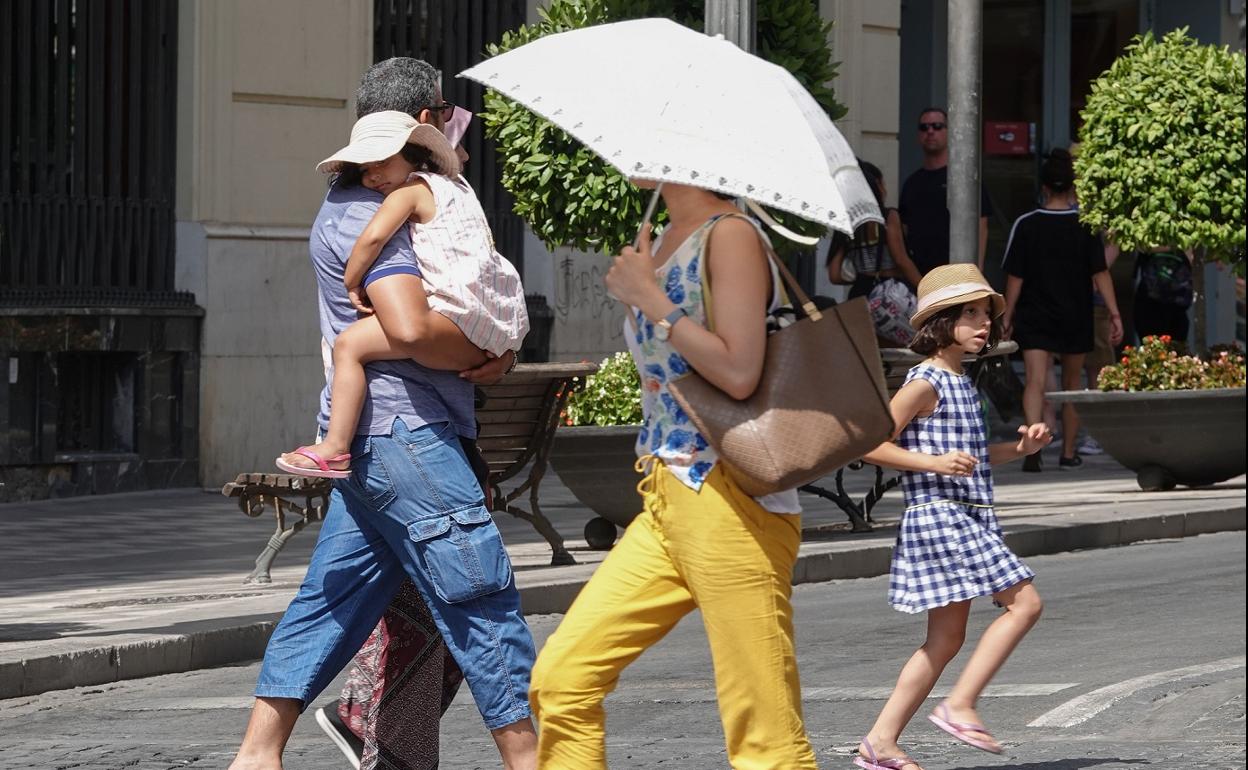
(663, 329)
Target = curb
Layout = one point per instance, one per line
(238, 644)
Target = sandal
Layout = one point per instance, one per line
(872, 762)
(322, 469)
(962, 731)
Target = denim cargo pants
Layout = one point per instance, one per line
(412, 507)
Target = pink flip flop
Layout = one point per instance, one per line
(322, 469)
(962, 730)
(872, 762)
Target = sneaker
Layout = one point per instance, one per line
(1031, 463)
(1089, 446)
(348, 742)
(1069, 463)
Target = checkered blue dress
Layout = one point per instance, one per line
(949, 546)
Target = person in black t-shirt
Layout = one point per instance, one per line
(923, 205)
(1051, 263)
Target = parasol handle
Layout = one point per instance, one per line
(650, 207)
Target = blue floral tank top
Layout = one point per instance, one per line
(667, 433)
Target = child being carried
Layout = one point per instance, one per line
(468, 283)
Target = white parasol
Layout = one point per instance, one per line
(662, 102)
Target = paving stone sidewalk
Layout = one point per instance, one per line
(96, 589)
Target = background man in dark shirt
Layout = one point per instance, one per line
(923, 206)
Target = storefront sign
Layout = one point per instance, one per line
(1007, 138)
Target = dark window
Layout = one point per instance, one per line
(87, 121)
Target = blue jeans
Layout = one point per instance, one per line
(411, 506)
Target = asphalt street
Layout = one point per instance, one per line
(1138, 662)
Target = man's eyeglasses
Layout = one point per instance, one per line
(446, 108)
(931, 127)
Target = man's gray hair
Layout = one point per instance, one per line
(400, 83)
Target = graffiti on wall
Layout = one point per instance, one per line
(588, 321)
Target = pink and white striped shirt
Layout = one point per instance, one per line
(465, 277)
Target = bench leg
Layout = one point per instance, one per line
(559, 555)
(858, 518)
(264, 562)
(880, 488)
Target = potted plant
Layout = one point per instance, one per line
(593, 452)
(1171, 418)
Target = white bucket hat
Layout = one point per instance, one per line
(379, 135)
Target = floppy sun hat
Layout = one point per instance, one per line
(952, 285)
(377, 136)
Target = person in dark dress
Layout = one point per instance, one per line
(1052, 263)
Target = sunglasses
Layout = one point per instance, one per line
(931, 127)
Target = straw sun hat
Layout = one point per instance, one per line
(951, 285)
(382, 134)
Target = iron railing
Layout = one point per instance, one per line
(87, 124)
(452, 35)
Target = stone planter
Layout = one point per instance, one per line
(596, 465)
(1189, 437)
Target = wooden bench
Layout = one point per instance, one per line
(517, 426)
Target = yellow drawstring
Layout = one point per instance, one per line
(648, 466)
(651, 495)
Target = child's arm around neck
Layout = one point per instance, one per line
(412, 202)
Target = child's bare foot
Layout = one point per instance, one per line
(323, 460)
(962, 722)
(875, 752)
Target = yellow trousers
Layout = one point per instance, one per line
(718, 551)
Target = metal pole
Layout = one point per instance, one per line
(734, 19)
(965, 42)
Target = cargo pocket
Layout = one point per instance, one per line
(463, 553)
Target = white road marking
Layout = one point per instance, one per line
(1088, 705)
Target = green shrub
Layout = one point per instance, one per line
(610, 396)
(1161, 148)
(1156, 365)
(571, 197)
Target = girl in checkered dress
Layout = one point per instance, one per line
(949, 546)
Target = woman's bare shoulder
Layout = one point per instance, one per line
(735, 234)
